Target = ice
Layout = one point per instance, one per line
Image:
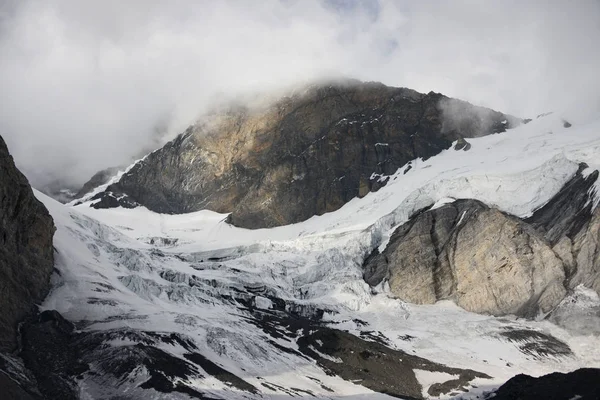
(176, 273)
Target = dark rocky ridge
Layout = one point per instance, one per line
(569, 210)
(583, 384)
(303, 155)
(26, 263)
(490, 262)
(26, 251)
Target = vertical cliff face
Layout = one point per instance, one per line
(571, 225)
(26, 252)
(302, 155)
(484, 260)
(491, 262)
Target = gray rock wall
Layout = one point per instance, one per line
(484, 260)
(26, 252)
(491, 262)
(304, 155)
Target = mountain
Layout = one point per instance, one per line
(26, 262)
(466, 273)
(492, 262)
(299, 156)
(26, 254)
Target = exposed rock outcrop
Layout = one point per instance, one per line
(304, 155)
(571, 224)
(462, 144)
(490, 262)
(569, 210)
(26, 251)
(586, 247)
(581, 384)
(483, 259)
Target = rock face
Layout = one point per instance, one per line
(484, 260)
(491, 262)
(569, 210)
(26, 252)
(303, 155)
(462, 144)
(586, 247)
(572, 226)
(581, 384)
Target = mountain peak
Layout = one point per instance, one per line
(305, 154)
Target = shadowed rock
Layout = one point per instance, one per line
(26, 252)
(571, 224)
(583, 384)
(569, 210)
(462, 144)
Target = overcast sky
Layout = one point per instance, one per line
(86, 84)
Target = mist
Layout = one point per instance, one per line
(87, 85)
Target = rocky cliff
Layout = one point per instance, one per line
(306, 154)
(571, 225)
(26, 262)
(581, 384)
(26, 252)
(490, 262)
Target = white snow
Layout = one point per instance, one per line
(263, 303)
(428, 378)
(317, 263)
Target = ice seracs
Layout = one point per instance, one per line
(232, 307)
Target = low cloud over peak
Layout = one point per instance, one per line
(87, 85)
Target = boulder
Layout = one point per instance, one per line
(462, 144)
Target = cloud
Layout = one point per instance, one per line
(90, 84)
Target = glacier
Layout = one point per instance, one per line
(193, 275)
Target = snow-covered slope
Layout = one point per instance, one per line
(194, 275)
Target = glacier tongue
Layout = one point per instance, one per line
(230, 295)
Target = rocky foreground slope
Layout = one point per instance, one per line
(302, 155)
(581, 384)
